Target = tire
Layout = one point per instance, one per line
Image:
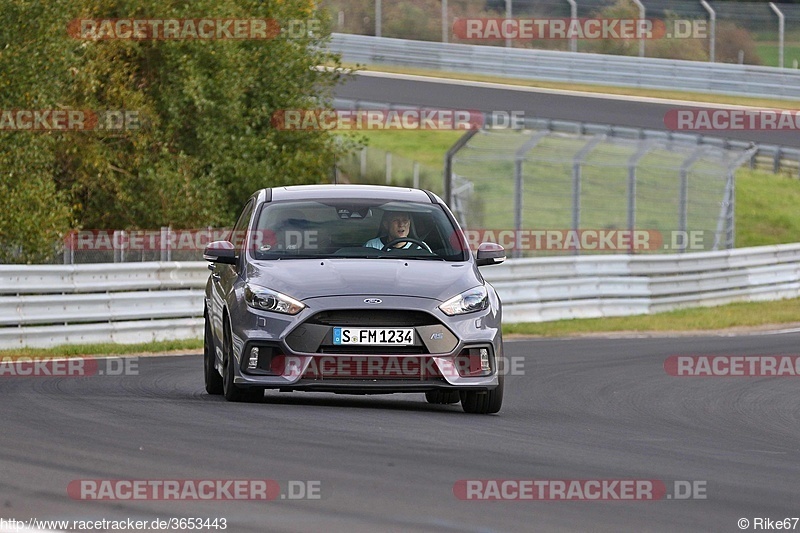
(212, 377)
(483, 402)
(230, 391)
(442, 397)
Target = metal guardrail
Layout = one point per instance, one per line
(97, 303)
(571, 67)
(542, 289)
(48, 305)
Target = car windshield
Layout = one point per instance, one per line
(313, 229)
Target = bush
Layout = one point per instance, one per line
(730, 40)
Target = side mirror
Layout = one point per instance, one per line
(490, 253)
(220, 252)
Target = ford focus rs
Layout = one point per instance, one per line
(352, 289)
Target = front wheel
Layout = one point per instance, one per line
(212, 378)
(483, 402)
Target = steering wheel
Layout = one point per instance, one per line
(412, 240)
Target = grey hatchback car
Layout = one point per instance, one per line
(352, 289)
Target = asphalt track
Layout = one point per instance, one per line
(585, 107)
(577, 409)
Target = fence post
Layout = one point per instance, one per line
(713, 34)
(164, 244)
(363, 165)
(633, 162)
(781, 28)
(519, 159)
(118, 243)
(447, 186)
(640, 25)
(378, 17)
(508, 16)
(416, 174)
(573, 15)
(388, 168)
(683, 200)
(577, 162)
(445, 29)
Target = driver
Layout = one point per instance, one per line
(395, 225)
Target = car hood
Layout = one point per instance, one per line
(309, 278)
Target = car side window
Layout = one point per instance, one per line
(240, 228)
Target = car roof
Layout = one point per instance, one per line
(334, 191)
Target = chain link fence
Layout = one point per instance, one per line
(540, 192)
(379, 167)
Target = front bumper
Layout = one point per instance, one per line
(296, 353)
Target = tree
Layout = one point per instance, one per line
(204, 107)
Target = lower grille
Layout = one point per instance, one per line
(373, 368)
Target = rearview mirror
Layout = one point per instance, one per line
(490, 253)
(220, 252)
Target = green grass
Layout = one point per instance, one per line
(79, 350)
(427, 147)
(767, 208)
(767, 205)
(696, 319)
(768, 52)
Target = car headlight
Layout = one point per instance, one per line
(269, 300)
(469, 301)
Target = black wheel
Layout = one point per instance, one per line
(442, 396)
(412, 240)
(212, 378)
(483, 402)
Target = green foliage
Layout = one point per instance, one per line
(205, 141)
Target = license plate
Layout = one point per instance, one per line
(374, 336)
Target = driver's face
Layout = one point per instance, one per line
(399, 226)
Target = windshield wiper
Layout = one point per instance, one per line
(423, 257)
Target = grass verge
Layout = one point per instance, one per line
(737, 315)
(80, 350)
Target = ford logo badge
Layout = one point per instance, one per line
(372, 300)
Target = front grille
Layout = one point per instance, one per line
(373, 318)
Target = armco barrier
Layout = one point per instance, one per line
(571, 67)
(553, 288)
(44, 306)
(48, 305)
